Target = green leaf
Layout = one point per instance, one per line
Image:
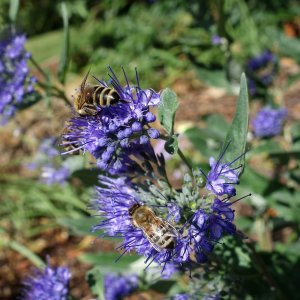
(244, 258)
(267, 146)
(64, 61)
(29, 100)
(89, 177)
(171, 146)
(295, 132)
(95, 279)
(80, 226)
(236, 137)
(163, 286)
(215, 78)
(108, 262)
(289, 46)
(167, 110)
(285, 154)
(13, 10)
(26, 252)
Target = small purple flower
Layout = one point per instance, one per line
(211, 297)
(183, 297)
(221, 178)
(15, 81)
(49, 163)
(169, 270)
(259, 61)
(216, 40)
(51, 175)
(268, 121)
(174, 212)
(51, 284)
(261, 70)
(118, 286)
(117, 132)
(48, 148)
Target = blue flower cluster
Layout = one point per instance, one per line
(201, 221)
(118, 286)
(15, 81)
(49, 284)
(117, 132)
(261, 70)
(268, 121)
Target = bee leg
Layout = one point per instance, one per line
(89, 109)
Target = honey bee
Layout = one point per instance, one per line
(90, 97)
(160, 233)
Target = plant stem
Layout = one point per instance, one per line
(59, 93)
(265, 272)
(35, 63)
(180, 153)
(184, 159)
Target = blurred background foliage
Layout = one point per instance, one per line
(193, 46)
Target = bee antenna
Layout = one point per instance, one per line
(84, 80)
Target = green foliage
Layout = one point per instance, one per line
(167, 109)
(209, 139)
(64, 61)
(13, 10)
(171, 145)
(21, 207)
(236, 137)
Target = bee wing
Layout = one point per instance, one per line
(82, 86)
(170, 230)
(151, 241)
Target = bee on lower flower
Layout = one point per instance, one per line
(160, 233)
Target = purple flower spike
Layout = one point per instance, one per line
(51, 284)
(118, 286)
(15, 81)
(123, 127)
(221, 178)
(268, 121)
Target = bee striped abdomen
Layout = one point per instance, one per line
(105, 96)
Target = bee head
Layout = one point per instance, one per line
(133, 208)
